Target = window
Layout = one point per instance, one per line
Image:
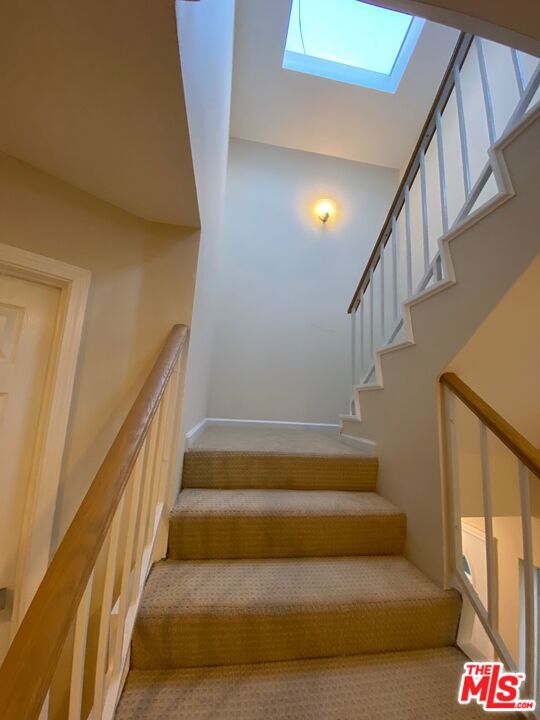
(350, 41)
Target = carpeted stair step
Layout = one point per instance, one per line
(211, 524)
(419, 685)
(219, 612)
(257, 470)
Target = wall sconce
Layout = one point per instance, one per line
(325, 210)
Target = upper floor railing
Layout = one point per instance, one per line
(492, 484)
(70, 655)
(487, 88)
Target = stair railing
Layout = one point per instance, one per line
(70, 656)
(486, 90)
(492, 479)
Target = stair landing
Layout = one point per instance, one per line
(266, 457)
(272, 438)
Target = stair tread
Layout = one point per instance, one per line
(295, 503)
(223, 587)
(412, 685)
(229, 612)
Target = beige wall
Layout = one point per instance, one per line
(92, 94)
(501, 361)
(142, 283)
(282, 347)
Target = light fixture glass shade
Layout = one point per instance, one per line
(325, 209)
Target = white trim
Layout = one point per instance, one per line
(193, 434)
(348, 418)
(368, 447)
(37, 529)
(473, 531)
(273, 423)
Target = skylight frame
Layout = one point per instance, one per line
(332, 70)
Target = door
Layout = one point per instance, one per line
(28, 320)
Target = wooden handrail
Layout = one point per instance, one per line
(458, 57)
(29, 666)
(519, 445)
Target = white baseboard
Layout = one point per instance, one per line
(193, 434)
(349, 418)
(368, 447)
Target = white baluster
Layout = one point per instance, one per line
(488, 101)
(381, 255)
(492, 590)
(408, 241)
(395, 268)
(518, 71)
(528, 575)
(139, 572)
(362, 335)
(371, 319)
(102, 659)
(166, 478)
(79, 653)
(442, 172)
(425, 225)
(156, 473)
(462, 134)
(123, 600)
(450, 403)
(353, 347)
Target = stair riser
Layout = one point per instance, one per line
(199, 640)
(234, 470)
(255, 537)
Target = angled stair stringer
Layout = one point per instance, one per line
(482, 259)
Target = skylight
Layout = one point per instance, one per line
(351, 41)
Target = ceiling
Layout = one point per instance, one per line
(92, 93)
(303, 112)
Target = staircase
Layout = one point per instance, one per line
(285, 594)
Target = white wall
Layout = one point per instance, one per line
(514, 24)
(270, 105)
(282, 346)
(205, 36)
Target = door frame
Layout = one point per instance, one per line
(35, 543)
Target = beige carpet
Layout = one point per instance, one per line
(235, 469)
(249, 611)
(285, 595)
(419, 685)
(209, 524)
(272, 438)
